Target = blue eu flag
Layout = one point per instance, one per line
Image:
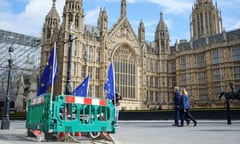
(110, 83)
(82, 89)
(49, 74)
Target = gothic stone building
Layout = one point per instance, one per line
(145, 72)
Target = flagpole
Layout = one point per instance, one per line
(114, 89)
(88, 85)
(53, 73)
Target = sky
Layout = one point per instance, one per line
(27, 16)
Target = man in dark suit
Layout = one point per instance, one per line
(176, 101)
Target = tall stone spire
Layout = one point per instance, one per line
(141, 32)
(50, 32)
(162, 36)
(205, 19)
(53, 12)
(52, 24)
(123, 8)
(73, 15)
(103, 21)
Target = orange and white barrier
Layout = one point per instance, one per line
(85, 100)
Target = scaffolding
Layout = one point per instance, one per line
(27, 52)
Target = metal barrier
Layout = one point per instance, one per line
(70, 114)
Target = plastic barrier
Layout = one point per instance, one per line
(70, 114)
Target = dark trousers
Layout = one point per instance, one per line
(176, 115)
(187, 116)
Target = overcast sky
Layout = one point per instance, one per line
(27, 16)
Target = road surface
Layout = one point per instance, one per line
(147, 132)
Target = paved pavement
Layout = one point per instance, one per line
(147, 132)
(161, 132)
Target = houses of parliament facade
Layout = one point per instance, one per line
(145, 72)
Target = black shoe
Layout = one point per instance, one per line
(188, 122)
(174, 125)
(195, 124)
(180, 125)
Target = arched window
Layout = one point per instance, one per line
(125, 72)
(77, 21)
(49, 33)
(70, 19)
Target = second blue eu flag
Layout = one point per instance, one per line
(110, 83)
(82, 89)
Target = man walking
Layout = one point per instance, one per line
(176, 101)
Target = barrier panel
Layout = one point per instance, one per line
(70, 114)
(39, 115)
